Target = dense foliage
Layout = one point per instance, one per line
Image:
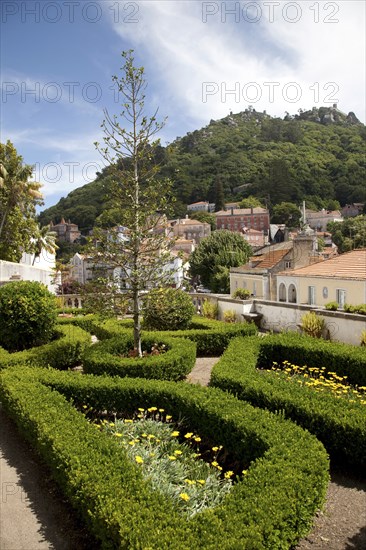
(27, 315)
(349, 234)
(214, 256)
(18, 200)
(167, 309)
(275, 160)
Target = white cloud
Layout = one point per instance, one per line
(182, 53)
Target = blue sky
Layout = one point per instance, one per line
(202, 59)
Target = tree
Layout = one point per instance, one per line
(138, 255)
(349, 234)
(250, 202)
(287, 213)
(18, 200)
(215, 255)
(202, 216)
(44, 239)
(219, 195)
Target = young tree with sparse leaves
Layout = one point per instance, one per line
(141, 201)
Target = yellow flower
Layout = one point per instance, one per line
(139, 459)
(175, 434)
(214, 464)
(152, 409)
(118, 434)
(201, 481)
(188, 435)
(184, 496)
(128, 421)
(244, 472)
(141, 410)
(215, 449)
(85, 406)
(177, 452)
(161, 410)
(228, 474)
(168, 416)
(198, 439)
(172, 457)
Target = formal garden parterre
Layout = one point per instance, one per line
(279, 471)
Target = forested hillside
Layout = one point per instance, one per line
(316, 155)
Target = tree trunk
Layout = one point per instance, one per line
(136, 323)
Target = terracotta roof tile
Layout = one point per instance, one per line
(351, 265)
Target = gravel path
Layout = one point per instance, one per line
(35, 516)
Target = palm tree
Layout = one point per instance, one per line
(44, 240)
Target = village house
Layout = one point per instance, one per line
(190, 229)
(67, 232)
(319, 220)
(256, 239)
(352, 210)
(201, 206)
(259, 275)
(340, 279)
(236, 219)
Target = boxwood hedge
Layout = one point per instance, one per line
(109, 357)
(64, 352)
(300, 349)
(270, 508)
(211, 337)
(339, 424)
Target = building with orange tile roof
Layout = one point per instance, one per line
(340, 279)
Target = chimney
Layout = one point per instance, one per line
(232, 210)
(251, 209)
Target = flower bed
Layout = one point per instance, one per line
(343, 359)
(62, 353)
(338, 423)
(108, 357)
(272, 507)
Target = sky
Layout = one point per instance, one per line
(201, 60)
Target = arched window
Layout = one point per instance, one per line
(292, 298)
(282, 293)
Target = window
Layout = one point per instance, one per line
(254, 288)
(341, 296)
(288, 264)
(311, 295)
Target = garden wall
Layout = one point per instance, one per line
(279, 316)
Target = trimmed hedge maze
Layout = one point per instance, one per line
(211, 337)
(111, 357)
(272, 507)
(65, 352)
(339, 424)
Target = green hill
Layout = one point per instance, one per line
(316, 155)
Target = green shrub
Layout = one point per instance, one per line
(300, 349)
(360, 309)
(64, 352)
(271, 507)
(363, 338)
(339, 424)
(27, 315)
(211, 336)
(167, 309)
(241, 293)
(111, 357)
(332, 306)
(312, 325)
(210, 310)
(229, 316)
